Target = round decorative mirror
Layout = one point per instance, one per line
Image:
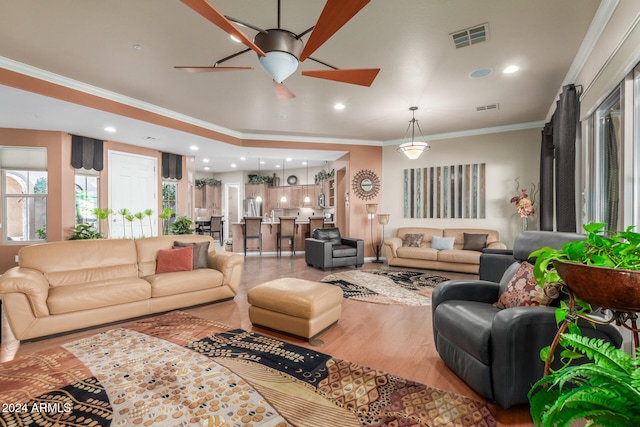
(366, 184)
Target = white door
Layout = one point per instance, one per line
(133, 185)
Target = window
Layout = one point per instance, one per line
(24, 194)
(87, 188)
(169, 201)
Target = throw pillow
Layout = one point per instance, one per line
(172, 260)
(523, 290)
(474, 242)
(412, 240)
(200, 253)
(442, 243)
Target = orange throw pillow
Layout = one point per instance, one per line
(172, 260)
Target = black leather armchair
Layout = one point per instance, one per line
(327, 249)
(496, 352)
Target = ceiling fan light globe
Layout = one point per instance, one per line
(279, 65)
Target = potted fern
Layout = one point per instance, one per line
(606, 390)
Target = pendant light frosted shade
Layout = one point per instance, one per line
(413, 149)
(279, 65)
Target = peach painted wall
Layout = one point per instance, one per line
(61, 179)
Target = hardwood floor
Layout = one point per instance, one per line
(394, 338)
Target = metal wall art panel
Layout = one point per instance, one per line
(456, 191)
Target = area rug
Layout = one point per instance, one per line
(386, 286)
(180, 370)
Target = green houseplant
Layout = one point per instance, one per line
(182, 225)
(606, 389)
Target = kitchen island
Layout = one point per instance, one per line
(269, 235)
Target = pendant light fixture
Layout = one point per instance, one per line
(413, 149)
(259, 197)
(283, 199)
(307, 199)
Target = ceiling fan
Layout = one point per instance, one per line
(280, 51)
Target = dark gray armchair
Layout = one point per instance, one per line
(327, 249)
(496, 352)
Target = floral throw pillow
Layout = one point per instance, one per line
(412, 240)
(523, 290)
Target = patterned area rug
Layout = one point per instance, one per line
(181, 370)
(386, 286)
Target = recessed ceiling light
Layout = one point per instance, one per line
(193, 148)
(277, 166)
(233, 165)
(137, 47)
(262, 162)
(339, 106)
(511, 69)
(304, 163)
(205, 160)
(480, 73)
(206, 168)
(243, 158)
(288, 159)
(110, 129)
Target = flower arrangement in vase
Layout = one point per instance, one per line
(524, 203)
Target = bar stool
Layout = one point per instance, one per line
(314, 222)
(252, 230)
(216, 227)
(286, 230)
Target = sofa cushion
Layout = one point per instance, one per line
(425, 253)
(200, 253)
(474, 242)
(147, 249)
(328, 235)
(341, 251)
(459, 256)
(412, 240)
(441, 243)
(81, 261)
(172, 260)
(88, 296)
(451, 320)
(184, 281)
(523, 290)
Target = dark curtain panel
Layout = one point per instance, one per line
(611, 174)
(564, 141)
(86, 153)
(171, 166)
(545, 207)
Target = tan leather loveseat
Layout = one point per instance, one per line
(62, 286)
(457, 258)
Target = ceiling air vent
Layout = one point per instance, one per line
(489, 107)
(469, 36)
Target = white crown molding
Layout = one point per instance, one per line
(59, 80)
(474, 132)
(597, 26)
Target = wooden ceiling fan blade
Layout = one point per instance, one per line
(335, 14)
(207, 68)
(361, 76)
(282, 92)
(210, 13)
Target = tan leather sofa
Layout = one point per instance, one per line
(62, 286)
(456, 259)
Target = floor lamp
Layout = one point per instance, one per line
(383, 219)
(371, 211)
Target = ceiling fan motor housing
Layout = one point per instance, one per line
(283, 49)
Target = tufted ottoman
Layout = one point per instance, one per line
(299, 307)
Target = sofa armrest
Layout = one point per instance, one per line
(230, 265)
(391, 245)
(496, 245)
(318, 253)
(517, 336)
(467, 290)
(30, 282)
(359, 245)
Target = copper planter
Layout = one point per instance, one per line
(611, 288)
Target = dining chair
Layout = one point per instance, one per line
(215, 226)
(314, 222)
